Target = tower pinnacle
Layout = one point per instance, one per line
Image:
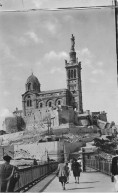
(72, 43)
(72, 52)
(73, 69)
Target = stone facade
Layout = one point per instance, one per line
(56, 105)
(14, 124)
(73, 70)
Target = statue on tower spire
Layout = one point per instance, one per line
(72, 43)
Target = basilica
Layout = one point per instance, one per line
(37, 104)
(55, 108)
(34, 99)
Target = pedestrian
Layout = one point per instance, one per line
(114, 170)
(35, 162)
(80, 162)
(7, 172)
(76, 168)
(68, 172)
(62, 173)
(71, 162)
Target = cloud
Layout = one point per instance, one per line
(38, 4)
(6, 52)
(85, 51)
(98, 71)
(87, 57)
(89, 60)
(51, 27)
(23, 41)
(56, 69)
(52, 55)
(33, 36)
(5, 113)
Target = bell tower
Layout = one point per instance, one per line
(73, 70)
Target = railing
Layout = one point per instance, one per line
(28, 176)
(102, 166)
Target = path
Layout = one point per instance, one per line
(90, 182)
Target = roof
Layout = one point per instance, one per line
(48, 92)
(32, 78)
(54, 91)
(83, 115)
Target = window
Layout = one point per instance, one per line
(59, 102)
(41, 105)
(74, 73)
(50, 104)
(71, 73)
(29, 103)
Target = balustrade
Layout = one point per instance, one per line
(102, 166)
(32, 174)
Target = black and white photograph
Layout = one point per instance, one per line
(58, 96)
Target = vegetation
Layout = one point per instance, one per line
(107, 145)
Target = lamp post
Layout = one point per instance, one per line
(83, 159)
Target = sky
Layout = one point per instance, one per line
(39, 42)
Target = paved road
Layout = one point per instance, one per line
(90, 182)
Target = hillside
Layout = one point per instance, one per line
(71, 135)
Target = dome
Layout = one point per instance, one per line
(32, 78)
(32, 83)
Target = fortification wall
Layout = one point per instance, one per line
(52, 117)
(66, 115)
(40, 119)
(14, 124)
(39, 150)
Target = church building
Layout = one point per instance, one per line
(34, 99)
(57, 109)
(54, 108)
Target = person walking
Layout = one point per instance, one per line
(35, 162)
(62, 173)
(80, 162)
(114, 170)
(68, 172)
(76, 168)
(71, 162)
(6, 174)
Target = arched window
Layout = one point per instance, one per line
(59, 102)
(69, 73)
(29, 101)
(74, 73)
(41, 105)
(50, 104)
